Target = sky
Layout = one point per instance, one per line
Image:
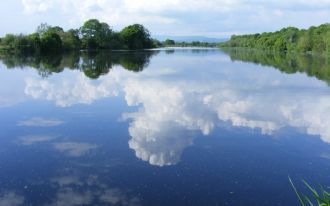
(211, 18)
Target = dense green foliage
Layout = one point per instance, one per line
(136, 37)
(313, 65)
(172, 43)
(93, 35)
(169, 42)
(314, 39)
(92, 64)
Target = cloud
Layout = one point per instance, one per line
(40, 122)
(117, 197)
(32, 6)
(65, 97)
(311, 114)
(11, 198)
(158, 128)
(74, 149)
(67, 181)
(171, 111)
(165, 6)
(68, 197)
(159, 143)
(190, 17)
(325, 156)
(12, 93)
(33, 139)
(89, 190)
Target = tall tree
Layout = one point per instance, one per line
(95, 35)
(136, 37)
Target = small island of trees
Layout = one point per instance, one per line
(93, 35)
(312, 40)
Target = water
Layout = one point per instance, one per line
(166, 127)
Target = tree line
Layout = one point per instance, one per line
(316, 39)
(172, 43)
(92, 35)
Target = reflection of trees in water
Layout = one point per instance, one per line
(169, 51)
(134, 61)
(46, 65)
(93, 64)
(315, 66)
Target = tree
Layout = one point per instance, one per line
(280, 44)
(304, 43)
(156, 43)
(35, 42)
(288, 39)
(70, 40)
(92, 35)
(136, 37)
(17, 43)
(8, 41)
(169, 42)
(95, 35)
(50, 37)
(327, 43)
(51, 41)
(43, 28)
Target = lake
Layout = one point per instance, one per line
(163, 127)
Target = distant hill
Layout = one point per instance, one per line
(190, 38)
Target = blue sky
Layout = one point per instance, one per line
(213, 18)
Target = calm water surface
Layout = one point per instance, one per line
(168, 127)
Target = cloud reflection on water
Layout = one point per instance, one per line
(11, 199)
(33, 139)
(74, 149)
(172, 109)
(89, 190)
(40, 122)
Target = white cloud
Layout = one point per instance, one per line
(40, 122)
(160, 129)
(11, 94)
(32, 6)
(33, 139)
(68, 197)
(117, 197)
(89, 190)
(67, 181)
(172, 110)
(161, 6)
(181, 5)
(311, 114)
(11, 199)
(160, 142)
(65, 97)
(74, 149)
(189, 17)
